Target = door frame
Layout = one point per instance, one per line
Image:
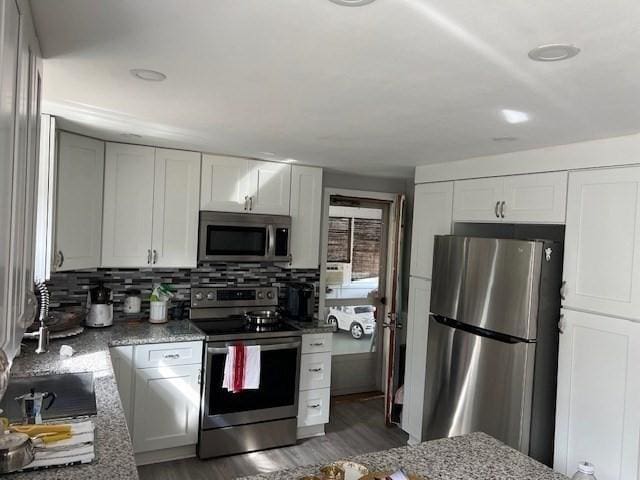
(391, 198)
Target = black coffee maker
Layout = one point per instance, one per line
(301, 301)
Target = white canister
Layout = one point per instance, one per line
(158, 313)
(132, 302)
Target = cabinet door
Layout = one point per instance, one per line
(175, 208)
(315, 371)
(224, 184)
(602, 256)
(80, 175)
(477, 200)
(598, 406)
(306, 207)
(122, 361)
(9, 28)
(536, 198)
(313, 407)
(128, 206)
(416, 357)
(270, 187)
(167, 403)
(432, 211)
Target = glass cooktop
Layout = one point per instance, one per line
(231, 328)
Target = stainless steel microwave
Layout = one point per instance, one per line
(244, 237)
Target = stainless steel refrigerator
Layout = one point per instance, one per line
(492, 349)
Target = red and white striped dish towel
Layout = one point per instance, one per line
(242, 368)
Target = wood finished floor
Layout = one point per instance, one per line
(355, 427)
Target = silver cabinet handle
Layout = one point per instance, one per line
(495, 209)
(60, 258)
(502, 204)
(149, 257)
(315, 369)
(246, 201)
(155, 256)
(174, 356)
(563, 290)
(317, 344)
(315, 405)
(251, 203)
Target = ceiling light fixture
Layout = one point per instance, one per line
(148, 75)
(553, 52)
(514, 116)
(352, 3)
(131, 135)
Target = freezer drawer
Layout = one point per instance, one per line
(476, 383)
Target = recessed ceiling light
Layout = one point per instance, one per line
(553, 52)
(352, 3)
(504, 139)
(514, 116)
(148, 75)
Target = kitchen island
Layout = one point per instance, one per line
(476, 456)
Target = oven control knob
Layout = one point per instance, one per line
(199, 296)
(270, 295)
(210, 296)
(260, 295)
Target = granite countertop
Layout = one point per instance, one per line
(475, 456)
(114, 452)
(314, 326)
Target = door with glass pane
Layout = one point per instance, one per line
(357, 236)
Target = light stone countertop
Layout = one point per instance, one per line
(114, 452)
(475, 456)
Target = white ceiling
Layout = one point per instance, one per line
(374, 90)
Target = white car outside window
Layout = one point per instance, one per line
(359, 321)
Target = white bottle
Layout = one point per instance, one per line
(585, 471)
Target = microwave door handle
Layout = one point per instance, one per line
(271, 242)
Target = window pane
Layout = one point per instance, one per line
(356, 331)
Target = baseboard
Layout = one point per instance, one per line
(165, 455)
(311, 431)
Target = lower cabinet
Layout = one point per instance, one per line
(598, 402)
(315, 383)
(159, 386)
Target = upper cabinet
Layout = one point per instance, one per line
(80, 172)
(535, 198)
(306, 206)
(232, 184)
(602, 253)
(432, 210)
(150, 207)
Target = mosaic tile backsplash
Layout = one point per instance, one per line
(70, 288)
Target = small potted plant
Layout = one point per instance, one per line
(158, 300)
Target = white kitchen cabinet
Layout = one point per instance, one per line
(167, 406)
(315, 371)
(123, 368)
(270, 187)
(79, 192)
(432, 215)
(315, 382)
(313, 407)
(128, 206)
(602, 253)
(598, 399)
(150, 207)
(225, 184)
(175, 208)
(233, 184)
(306, 213)
(534, 198)
(416, 357)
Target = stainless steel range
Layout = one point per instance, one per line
(252, 419)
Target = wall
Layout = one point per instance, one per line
(70, 288)
(363, 182)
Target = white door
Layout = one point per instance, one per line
(416, 357)
(478, 200)
(9, 28)
(598, 406)
(602, 254)
(175, 208)
(306, 216)
(270, 187)
(167, 403)
(225, 184)
(536, 198)
(80, 175)
(432, 212)
(128, 206)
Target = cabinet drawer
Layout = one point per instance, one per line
(313, 407)
(315, 371)
(160, 354)
(317, 342)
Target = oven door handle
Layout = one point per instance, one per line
(263, 348)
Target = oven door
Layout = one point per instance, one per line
(277, 396)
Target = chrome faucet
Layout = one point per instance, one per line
(43, 330)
